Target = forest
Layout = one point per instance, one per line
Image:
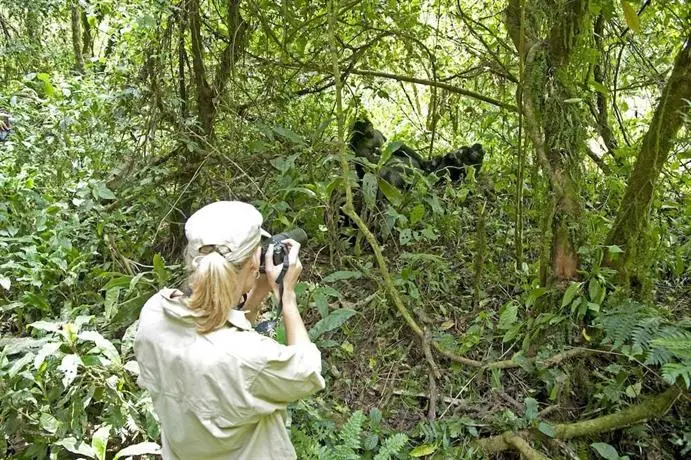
(495, 193)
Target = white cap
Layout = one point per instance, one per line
(232, 224)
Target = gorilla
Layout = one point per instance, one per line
(455, 164)
(366, 142)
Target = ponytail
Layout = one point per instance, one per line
(215, 289)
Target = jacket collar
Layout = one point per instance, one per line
(174, 306)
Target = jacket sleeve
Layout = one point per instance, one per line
(289, 373)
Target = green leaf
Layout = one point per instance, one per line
(5, 282)
(530, 409)
(342, 275)
(69, 366)
(48, 326)
(614, 249)
(508, 316)
(160, 269)
(369, 190)
(287, 134)
(390, 192)
(375, 416)
(49, 349)
(547, 429)
(594, 289)
(631, 17)
(20, 364)
(599, 87)
(103, 192)
(417, 213)
(111, 300)
(37, 301)
(422, 450)
(102, 344)
(76, 447)
(388, 151)
(570, 293)
(143, 448)
(335, 320)
(49, 423)
(322, 304)
(99, 441)
(605, 450)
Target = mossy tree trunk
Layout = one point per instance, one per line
(77, 36)
(553, 123)
(633, 212)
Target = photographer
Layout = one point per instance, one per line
(220, 389)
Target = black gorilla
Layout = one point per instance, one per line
(366, 142)
(454, 164)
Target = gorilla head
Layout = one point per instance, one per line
(364, 140)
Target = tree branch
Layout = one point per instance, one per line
(654, 407)
(437, 84)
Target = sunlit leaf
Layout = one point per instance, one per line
(631, 16)
(143, 448)
(422, 450)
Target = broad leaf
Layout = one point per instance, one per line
(422, 450)
(530, 409)
(390, 192)
(605, 450)
(631, 16)
(369, 190)
(342, 275)
(570, 293)
(99, 441)
(334, 320)
(76, 447)
(143, 448)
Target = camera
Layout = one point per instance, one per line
(280, 250)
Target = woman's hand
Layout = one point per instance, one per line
(291, 277)
(255, 298)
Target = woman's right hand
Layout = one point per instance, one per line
(291, 277)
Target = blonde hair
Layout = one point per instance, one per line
(215, 288)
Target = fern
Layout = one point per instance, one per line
(350, 432)
(649, 337)
(391, 446)
(672, 371)
(678, 343)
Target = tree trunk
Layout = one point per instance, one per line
(87, 38)
(635, 206)
(555, 126)
(77, 37)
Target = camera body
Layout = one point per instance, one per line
(280, 251)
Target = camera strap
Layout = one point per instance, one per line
(279, 281)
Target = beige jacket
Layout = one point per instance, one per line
(220, 395)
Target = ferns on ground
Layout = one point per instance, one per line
(642, 332)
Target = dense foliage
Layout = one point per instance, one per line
(539, 306)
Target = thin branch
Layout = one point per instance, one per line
(438, 84)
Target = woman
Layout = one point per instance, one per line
(219, 388)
